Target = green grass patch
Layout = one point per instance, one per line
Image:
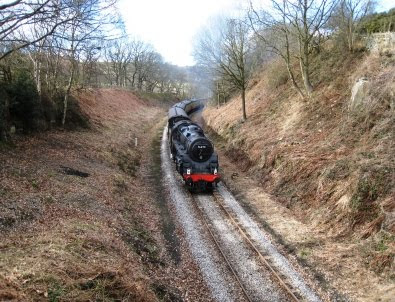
(340, 170)
(141, 241)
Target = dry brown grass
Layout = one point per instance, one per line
(77, 260)
(70, 238)
(301, 149)
(332, 167)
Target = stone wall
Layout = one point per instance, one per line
(383, 43)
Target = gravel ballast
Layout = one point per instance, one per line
(263, 243)
(254, 276)
(215, 272)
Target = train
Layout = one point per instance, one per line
(193, 153)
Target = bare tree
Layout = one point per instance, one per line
(164, 78)
(36, 51)
(90, 19)
(138, 48)
(224, 50)
(89, 66)
(145, 61)
(17, 17)
(53, 59)
(347, 15)
(302, 20)
(118, 54)
(275, 33)
(307, 17)
(150, 67)
(136, 63)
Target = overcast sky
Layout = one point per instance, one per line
(170, 25)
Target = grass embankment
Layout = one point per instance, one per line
(328, 161)
(75, 223)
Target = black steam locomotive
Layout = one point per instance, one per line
(190, 149)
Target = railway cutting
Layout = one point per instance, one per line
(233, 253)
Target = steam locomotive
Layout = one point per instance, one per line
(190, 149)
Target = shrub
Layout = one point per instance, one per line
(372, 185)
(378, 22)
(75, 118)
(277, 75)
(24, 101)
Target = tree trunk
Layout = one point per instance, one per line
(243, 103)
(133, 82)
(304, 66)
(55, 77)
(66, 96)
(287, 59)
(37, 72)
(139, 83)
(218, 95)
(4, 116)
(36, 59)
(350, 35)
(292, 78)
(304, 45)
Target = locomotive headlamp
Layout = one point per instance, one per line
(188, 171)
(215, 171)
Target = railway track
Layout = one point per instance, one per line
(293, 293)
(209, 228)
(217, 227)
(265, 260)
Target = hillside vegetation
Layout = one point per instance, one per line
(328, 158)
(72, 227)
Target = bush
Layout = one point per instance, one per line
(374, 184)
(24, 104)
(378, 22)
(75, 118)
(50, 110)
(277, 75)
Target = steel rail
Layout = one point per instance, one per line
(207, 224)
(217, 197)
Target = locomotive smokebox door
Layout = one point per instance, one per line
(201, 149)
